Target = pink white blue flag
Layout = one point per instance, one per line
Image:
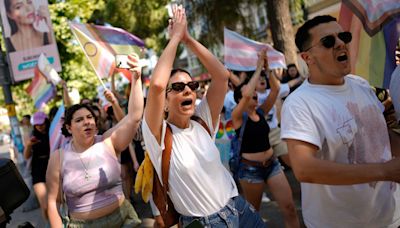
(241, 53)
(55, 135)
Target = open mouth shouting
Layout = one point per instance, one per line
(342, 57)
(187, 103)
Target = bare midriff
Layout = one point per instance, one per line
(98, 213)
(259, 156)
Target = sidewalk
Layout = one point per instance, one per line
(19, 217)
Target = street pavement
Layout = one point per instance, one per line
(269, 210)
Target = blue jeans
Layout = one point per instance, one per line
(258, 174)
(236, 213)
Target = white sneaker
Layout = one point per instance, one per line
(265, 198)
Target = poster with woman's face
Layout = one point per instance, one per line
(28, 32)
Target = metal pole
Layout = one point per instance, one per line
(5, 82)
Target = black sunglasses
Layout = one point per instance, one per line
(180, 86)
(330, 40)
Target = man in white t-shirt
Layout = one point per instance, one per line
(337, 137)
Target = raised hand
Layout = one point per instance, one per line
(136, 69)
(261, 58)
(177, 27)
(110, 96)
(266, 64)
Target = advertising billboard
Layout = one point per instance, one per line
(28, 32)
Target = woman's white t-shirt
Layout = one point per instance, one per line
(199, 184)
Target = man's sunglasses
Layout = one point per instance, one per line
(330, 40)
(180, 86)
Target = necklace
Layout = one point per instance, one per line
(87, 176)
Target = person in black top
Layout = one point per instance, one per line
(258, 165)
(38, 147)
(24, 23)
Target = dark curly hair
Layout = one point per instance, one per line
(69, 113)
(303, 37)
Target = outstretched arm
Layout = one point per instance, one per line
(248, 92)
(123, 133)
(236, 81)
(219, 75)
(119, 114)
(295, 82)
(275, 86)
(66, 98)
(113, 89)
(154, 111)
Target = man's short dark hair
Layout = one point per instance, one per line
(303, 37)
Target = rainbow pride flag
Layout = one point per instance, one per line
(100, 45)
(55, 135)
(40, 90)
(375, 25)
(240, 53)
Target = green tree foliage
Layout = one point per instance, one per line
(212, 16)
(298, 12)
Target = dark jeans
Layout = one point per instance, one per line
(236, 213)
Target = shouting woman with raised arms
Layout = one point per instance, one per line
(87, 168)
(200, 187)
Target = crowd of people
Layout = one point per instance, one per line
(330, 130)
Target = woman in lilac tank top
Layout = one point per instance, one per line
(87, 168)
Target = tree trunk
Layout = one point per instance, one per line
(282, 29)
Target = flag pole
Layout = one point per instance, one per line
(98, 76)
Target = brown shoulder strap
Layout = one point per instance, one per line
(166, 157)
(160, 196)
(201, 121)
(159, 192)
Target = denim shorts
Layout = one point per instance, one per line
(236, 213)
(258, 174)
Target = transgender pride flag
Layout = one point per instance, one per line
(55, 135)
(100, 45)
(241, 53)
